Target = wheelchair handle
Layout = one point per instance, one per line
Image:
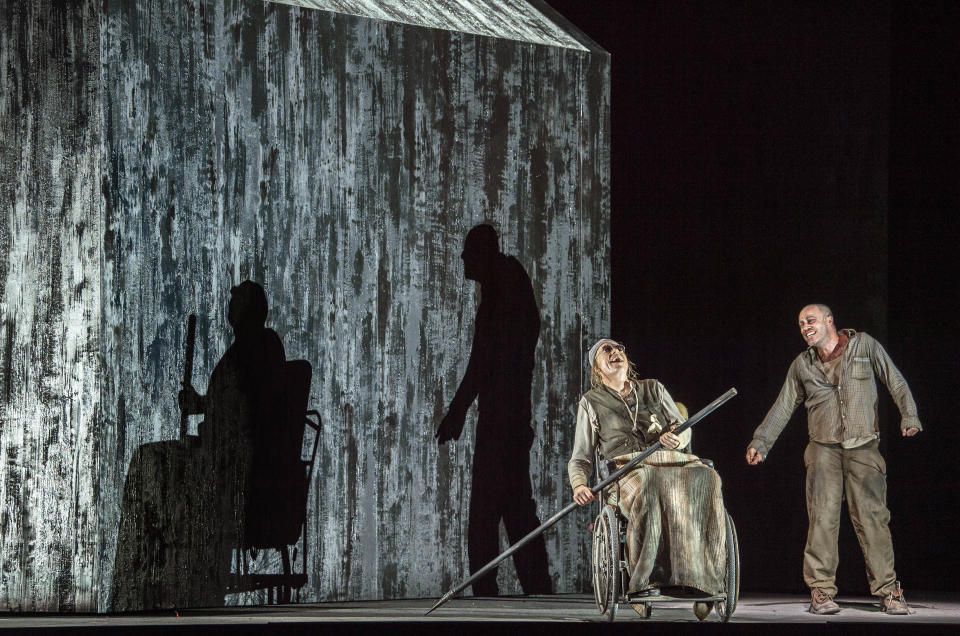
(573, 505)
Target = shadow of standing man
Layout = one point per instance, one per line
(499, 376)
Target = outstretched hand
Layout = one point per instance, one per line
(753, 456)
(450, 426)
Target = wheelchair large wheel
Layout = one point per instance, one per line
(726, 608)
(606, 562)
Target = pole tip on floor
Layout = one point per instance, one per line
(446, 597)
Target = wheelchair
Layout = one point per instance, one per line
(611, 564)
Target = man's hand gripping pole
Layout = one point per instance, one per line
(696, 417)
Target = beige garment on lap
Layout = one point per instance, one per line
(676, 534)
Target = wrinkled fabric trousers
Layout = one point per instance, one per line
(860, 474)
(676, 530)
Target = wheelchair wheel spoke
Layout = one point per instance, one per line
(604, 565)
(606, 562)
(732, 574)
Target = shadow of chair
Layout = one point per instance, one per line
(285, 449)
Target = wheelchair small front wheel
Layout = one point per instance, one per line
(606, 562)
(643, 609)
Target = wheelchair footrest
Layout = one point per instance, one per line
(251, 582)
(675, 599)
(667, 598)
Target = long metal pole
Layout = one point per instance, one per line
(696, 417)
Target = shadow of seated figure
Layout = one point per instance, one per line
(184, 501)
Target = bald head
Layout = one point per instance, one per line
(823, 309)
(480, 251)
(816, 325)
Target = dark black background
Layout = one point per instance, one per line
(766, 155)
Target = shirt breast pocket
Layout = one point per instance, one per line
(860, 369)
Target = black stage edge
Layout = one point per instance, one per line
(499, 629)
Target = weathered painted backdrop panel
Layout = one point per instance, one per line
(50, 232)
(511, 19)
(339, 161)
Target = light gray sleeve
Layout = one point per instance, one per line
(791, 396)
(890, 375)
(580, 466)
(672, 412)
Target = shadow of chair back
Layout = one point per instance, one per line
(276, 495)
(276, 500)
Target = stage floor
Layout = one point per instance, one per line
(497, 615)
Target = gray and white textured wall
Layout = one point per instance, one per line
(50, 306)
(156, 153)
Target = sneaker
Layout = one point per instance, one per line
(821, 602)
(894, 603)
(702, 609)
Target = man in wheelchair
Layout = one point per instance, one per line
(672, 501)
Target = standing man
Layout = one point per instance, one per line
(500, 376)
(834, 379)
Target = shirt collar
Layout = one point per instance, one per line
(844, 336)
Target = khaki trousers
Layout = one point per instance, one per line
(861, 474)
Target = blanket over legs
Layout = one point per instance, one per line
(676, 534)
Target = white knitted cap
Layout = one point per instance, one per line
(596, 347)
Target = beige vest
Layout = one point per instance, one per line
(615, 428)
